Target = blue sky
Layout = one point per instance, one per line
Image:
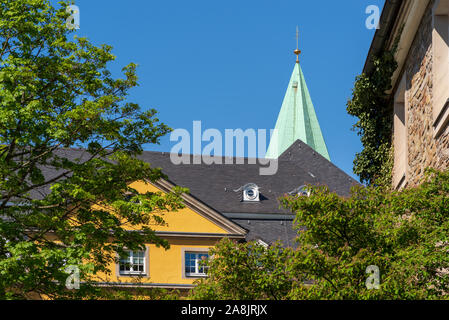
(228, 63)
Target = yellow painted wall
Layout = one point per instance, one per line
(183, 220)
(165, 266)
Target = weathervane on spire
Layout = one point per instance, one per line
(297, 51)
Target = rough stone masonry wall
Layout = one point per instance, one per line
(423, 149)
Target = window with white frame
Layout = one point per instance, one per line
(194, 264)
(133, 264)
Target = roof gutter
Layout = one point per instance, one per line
(400, 21)
(413, 16)
(259, 216)
(382, 35)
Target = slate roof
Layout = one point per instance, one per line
(214, 185)
(269, 231)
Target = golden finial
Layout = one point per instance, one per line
(297, 51)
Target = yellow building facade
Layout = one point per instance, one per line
(190, 231)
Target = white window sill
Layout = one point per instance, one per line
(132, 274)
(196, 275)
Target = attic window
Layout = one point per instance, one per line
(262, 243)
(250, 192)
(295, 84)
(302, 191)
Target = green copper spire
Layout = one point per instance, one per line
(297, 119)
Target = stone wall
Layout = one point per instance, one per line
(424, 150)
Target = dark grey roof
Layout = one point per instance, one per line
(49, 172)
(215, 184)
(269, 231)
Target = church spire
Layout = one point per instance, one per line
(297, 51)
(297, 118)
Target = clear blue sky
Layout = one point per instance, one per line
(228, 63)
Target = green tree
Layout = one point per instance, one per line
(404, 234)
(246, 271)
(56, 92)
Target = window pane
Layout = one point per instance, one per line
(194, 263)
(134, 263)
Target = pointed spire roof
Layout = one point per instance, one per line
(297, 119)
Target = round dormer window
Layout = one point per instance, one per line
(251, 192)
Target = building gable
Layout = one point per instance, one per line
(195, 220)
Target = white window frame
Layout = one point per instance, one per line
(262, 243)
(130, 259)
(197, 254)
(251, 188)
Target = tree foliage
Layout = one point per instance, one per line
(371, 105)
(56, 92)
(404, 234)
(246, 271)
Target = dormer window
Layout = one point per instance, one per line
(251, 192)
(262, 243)
(302, 191)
